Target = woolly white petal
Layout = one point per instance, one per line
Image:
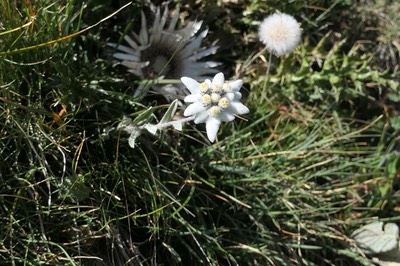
(131, 42)
(164, 18)
(192, 85)
(193, 45)
(230, 96)
(190, 30)
(238, 95)
(134, 65)
(198, 69)
(136, 72)
(195, 27)
(239, 108)
(177, 125)
(226, 117)
(191, 98)
(129, 57)
(174, 20)
(194, 108)
(236, 85)
(143, 35)
(212, 126)
(201, 117)
(158, 25)
(204, 53)
(218, 79)
(122, 48)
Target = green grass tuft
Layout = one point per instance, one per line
(287, 184)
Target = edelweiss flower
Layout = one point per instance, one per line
(214, 102)
(280, 33)
(164, 52)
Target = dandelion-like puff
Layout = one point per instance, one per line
(280, 33)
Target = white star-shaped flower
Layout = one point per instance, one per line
(164, 51)
(213, 102)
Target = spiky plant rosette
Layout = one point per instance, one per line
(165, 52)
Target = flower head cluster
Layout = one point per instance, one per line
(164, 52)
(280, 33)
(213, 102)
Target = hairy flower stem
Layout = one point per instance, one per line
(268, 69)
(170, 123)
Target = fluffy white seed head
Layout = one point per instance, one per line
(280, 33)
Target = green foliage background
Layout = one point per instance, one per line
(317, 157)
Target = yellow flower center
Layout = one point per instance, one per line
(203, 87)
(206, 99)
(227, 88)
(224, 103)
(216, 88)
(214, 111)
(215, 97)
